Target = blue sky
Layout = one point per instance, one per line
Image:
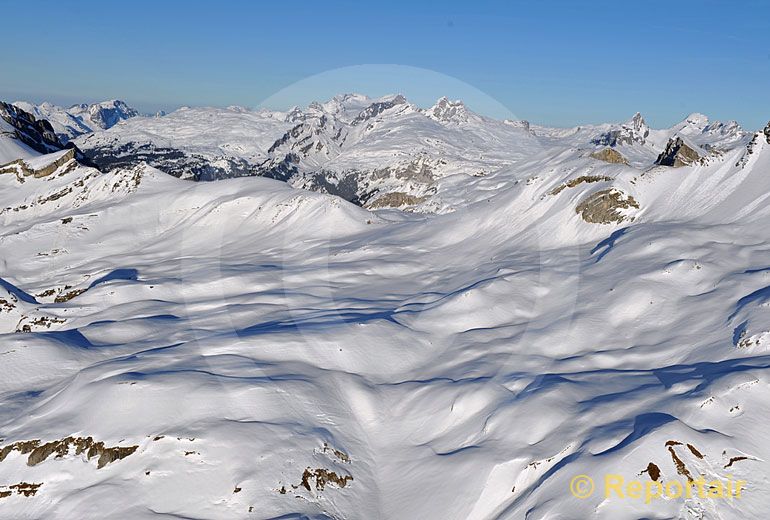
(558, 63)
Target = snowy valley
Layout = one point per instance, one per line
(375, 310)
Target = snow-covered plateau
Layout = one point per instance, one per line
(488, 310)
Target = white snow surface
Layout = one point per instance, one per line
(461, 365)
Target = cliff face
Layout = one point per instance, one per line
(38, 134)
(36, 168)
(767, 132)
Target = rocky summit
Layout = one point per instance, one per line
(677, 154)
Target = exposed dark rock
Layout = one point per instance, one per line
(65, 297)
(40, 452)
(677, 154)
(395, 199)
(751, 147)
(610, 156)
(312, 136)
(652, 470)
(733, 460)
(323, 477)
(578, 181)
(604, 207)
(38, 134)
(343, 185)
(25, 488)
(21, 168)
(767, 132)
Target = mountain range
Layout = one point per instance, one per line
(374, 152)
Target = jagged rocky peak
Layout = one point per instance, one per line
(294, 115)
(677, 153)
(378, 107)
(639, 125)
(727, 128)
(635, 130)
(449, 111)
(321, 134)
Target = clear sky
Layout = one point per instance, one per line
(552, 62)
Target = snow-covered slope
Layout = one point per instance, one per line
(12, 148)
(243, 349)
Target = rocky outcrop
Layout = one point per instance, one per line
(578, 181)
(322, 478)
(394, 199)
(767, 132)
(38, 452)
(677, 154)
(610, 156)
(24, 169)
(606, 206)
(37, 134)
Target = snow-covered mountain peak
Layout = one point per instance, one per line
(447, 111)
(378, 107)
(109, 113)
(342, 106)
(708, 134)
(633, 131)
(697, 119)
(638, 123)
(349, 98)
(294, 115)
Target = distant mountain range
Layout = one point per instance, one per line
(375, 152)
